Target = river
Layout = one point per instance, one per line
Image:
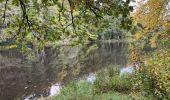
(33, 76)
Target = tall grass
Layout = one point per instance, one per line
(109, 85)
(83, 91)
(110, 80)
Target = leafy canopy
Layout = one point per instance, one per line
(51, 20)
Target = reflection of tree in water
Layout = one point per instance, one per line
(76, 61)
(106, 54)
(20, 77)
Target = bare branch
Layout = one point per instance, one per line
(72, 17)
(95, 13)
(66, 26)
(93, 9)
(25, 15)
(62, 7)
(5, 11)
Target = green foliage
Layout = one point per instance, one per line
(80, 90)
(153, 17)
(108, 85)
(110, 80)
(158, 68)
(52, 20)
(83, 91)
(153, 76)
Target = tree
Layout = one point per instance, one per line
(154, 16)
(51, 20)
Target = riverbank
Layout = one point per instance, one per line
(142, 84)
(32, 76)
(13, 45)
(108, 85)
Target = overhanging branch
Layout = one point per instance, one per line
(25, 15)
(72, 16)
(6, 2)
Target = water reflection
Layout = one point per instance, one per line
(55, 89)
(91, 78)
(126, 70)
(22, 78)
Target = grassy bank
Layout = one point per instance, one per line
(83, 91)
(109, 85)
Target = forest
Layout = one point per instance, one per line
(84, 49)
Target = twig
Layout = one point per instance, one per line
(66, 26)
(93, 8)
(25, 15)
(62, 7)
(95, 13)
(72, 17)
(5, 11)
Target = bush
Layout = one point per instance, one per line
(153, 77)
(109, 85)
(76, 91)
(110, 80)
(83, 91)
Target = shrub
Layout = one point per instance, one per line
(153, 77)
(110, 80)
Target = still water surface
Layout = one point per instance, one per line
(31, 77)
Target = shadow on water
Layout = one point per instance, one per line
(21, 77)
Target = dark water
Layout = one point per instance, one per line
(33, 76)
